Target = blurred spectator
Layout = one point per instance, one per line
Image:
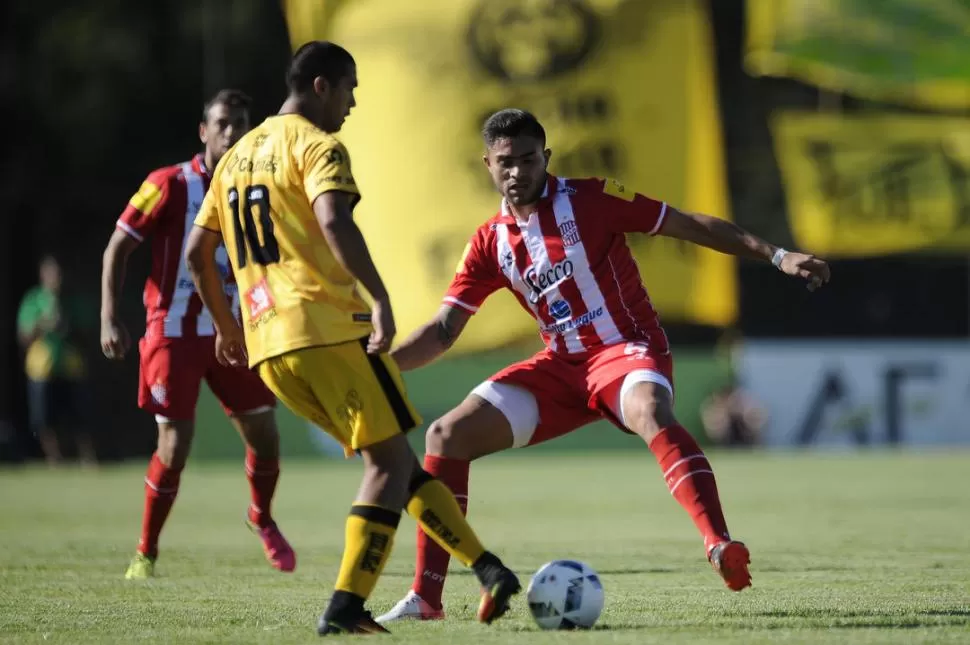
(49, 325)
(732, 417)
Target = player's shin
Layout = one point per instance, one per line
(369, 537)
(161, 488)
(690, 478)
(434, 507)
(431, 566)
(263, 474)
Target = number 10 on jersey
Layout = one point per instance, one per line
(262, 243)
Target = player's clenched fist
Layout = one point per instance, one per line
(383, 320)
(231, 347)
(807, 267)
(115, 340)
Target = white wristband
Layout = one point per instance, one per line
(778, 257)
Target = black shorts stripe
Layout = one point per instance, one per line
(394, 396)
(419, 479)
(376, 514)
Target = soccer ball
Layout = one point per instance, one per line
(565, 594)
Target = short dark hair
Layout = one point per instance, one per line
(228, 97)
(317, 58)
(510, 123)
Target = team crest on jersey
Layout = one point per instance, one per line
(159, 393)
(569, 233)
(259, 300)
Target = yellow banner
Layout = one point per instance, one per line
(625, 90)
(873, 185)
(909, 51)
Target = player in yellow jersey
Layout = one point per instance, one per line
(282, 200)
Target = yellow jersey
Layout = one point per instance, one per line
(294, 294)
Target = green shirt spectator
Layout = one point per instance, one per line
(48, 323)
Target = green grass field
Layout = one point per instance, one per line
(846, 549)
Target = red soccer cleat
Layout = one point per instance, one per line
(731, 560)
(278, 551)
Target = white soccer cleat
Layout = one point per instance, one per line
(412, 607)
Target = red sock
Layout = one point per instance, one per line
(262, 475)
(161, 487)
(690, 478)
(431, 566)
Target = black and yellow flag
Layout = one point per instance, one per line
(872, 185)
(625, 89)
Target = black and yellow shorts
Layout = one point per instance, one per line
(356, 397)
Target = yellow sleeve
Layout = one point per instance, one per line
(208, 216)
(326, 167)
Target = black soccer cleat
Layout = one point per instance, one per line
(362, 623)
(499, 584)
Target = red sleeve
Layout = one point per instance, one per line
(148, 205)
(626, 211)
(476, 276)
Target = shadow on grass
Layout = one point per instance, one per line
(605, 627)
(602, 572)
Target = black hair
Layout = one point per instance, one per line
(317, 58)
(230, 98)
(510, 123)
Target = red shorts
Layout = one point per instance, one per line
(571, 394)
(172, 370)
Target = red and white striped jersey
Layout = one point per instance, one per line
(569, 265)
(164, 208)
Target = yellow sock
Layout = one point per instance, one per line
(434, 507)
(370, 535)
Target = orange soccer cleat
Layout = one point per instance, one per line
(731, 560)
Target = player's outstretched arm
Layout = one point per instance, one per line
(333, 213)
(115, 340)
(200, 257)
(727, 237)
(432, 339)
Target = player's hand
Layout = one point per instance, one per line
(231, 347)
(115, 340)
(807, 267)
(383, 320)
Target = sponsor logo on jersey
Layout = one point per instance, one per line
(560, 310)
(541, 281)
(569, 325)
(260, 304)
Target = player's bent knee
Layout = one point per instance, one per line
(441, 439)
(174, 442)
(474, 429)
(259, 431)
(393, 454)
(388, 468)
(647, 408)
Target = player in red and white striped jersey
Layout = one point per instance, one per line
(559, 246)
(178, 350)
